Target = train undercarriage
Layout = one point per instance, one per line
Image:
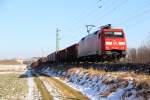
(113, 55)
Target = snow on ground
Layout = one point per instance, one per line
(12, 68)
(97, 87)
(52, 90)
(11, 82)
(33, 93)
(11, 87)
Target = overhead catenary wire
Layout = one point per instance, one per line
(124, 15)
(113, 8)
(110, 11)
(113, 5)
(99, 8)
(105, 4)
(91, 12)
(132, 18)
(105, 12)
(87, 12)
(134, 23)
(82, 16)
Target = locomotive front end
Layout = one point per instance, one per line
(114, 43)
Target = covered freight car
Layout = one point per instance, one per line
(72, 53)
(51, 58)
(66, 55)
(62, 55)
(35, 64)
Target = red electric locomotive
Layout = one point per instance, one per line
(104, 44)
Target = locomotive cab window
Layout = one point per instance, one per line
(118, 34)
(82, 39)
(114, 34)
(109, 34)
(95, 33)
(99, 35)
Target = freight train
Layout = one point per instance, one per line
(104, 44)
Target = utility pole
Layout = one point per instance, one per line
(89, 27)
(57, 39)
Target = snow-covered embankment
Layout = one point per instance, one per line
(101, 85)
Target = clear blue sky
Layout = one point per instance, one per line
(28, 27)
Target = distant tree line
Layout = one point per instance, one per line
(140, 54)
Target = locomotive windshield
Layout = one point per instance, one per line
(114, 34)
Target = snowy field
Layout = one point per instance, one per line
(12, 87)
(12, 68)
(16, 83)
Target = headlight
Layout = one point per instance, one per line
(121, 43)
(108, 43)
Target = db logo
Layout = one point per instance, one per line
(115, 43)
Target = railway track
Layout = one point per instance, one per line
(110, 67)
(137, 68)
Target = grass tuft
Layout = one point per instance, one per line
(68, 91)
(41, 87)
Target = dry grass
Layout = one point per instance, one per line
(69, 92)
(12, 87)
(105, 94)
(119, 75)
(91, 71)
(44, 92)
(142, 84)
(12, 68)
(8, 62)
